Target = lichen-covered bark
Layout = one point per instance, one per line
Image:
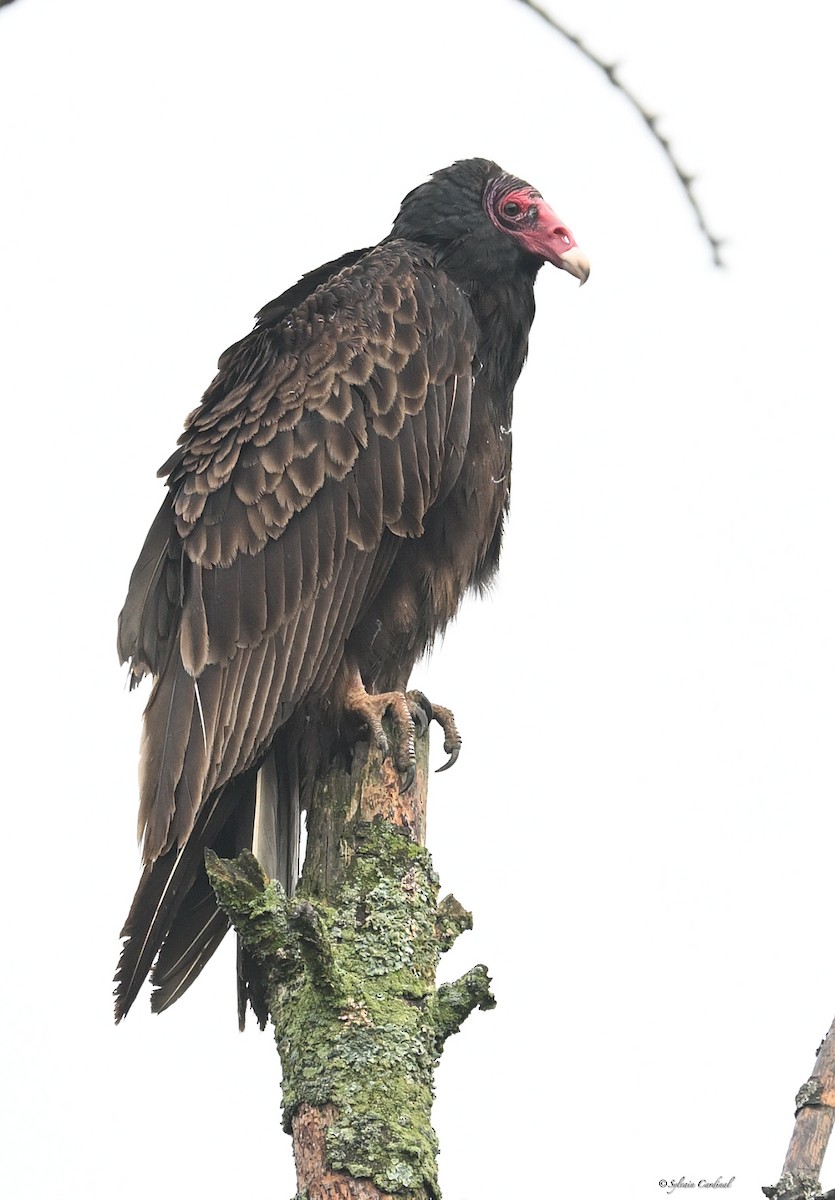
(348, 968)
(346, 801)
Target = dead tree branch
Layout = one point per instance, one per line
(650, 119)
(814, 1118)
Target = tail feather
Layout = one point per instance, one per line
(174, 925)
(171, 979)
(163, 888)
(275, 843)
(265, 833)
(289, 819)
(275, 840)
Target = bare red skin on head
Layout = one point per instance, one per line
(535, 225)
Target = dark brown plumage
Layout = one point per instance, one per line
(342, 484)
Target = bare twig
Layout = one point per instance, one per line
(650, 119)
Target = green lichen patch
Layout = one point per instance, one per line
(358, 1021)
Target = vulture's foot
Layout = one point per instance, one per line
(410, 714)
(371, 708)
(424, 712)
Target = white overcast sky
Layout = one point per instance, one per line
(642, 816)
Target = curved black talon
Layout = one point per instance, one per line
(453, 752)
(452, 738)
(408, 778)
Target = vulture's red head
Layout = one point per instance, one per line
(485, 223)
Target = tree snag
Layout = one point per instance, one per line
(814, 1118)
(347, 970)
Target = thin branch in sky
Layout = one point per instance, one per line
(651, 120)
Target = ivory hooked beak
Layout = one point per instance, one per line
(576, 263)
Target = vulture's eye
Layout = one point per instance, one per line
(511, 209)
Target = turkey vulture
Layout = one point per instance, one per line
(342, 484)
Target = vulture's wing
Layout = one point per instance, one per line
(344, 417)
